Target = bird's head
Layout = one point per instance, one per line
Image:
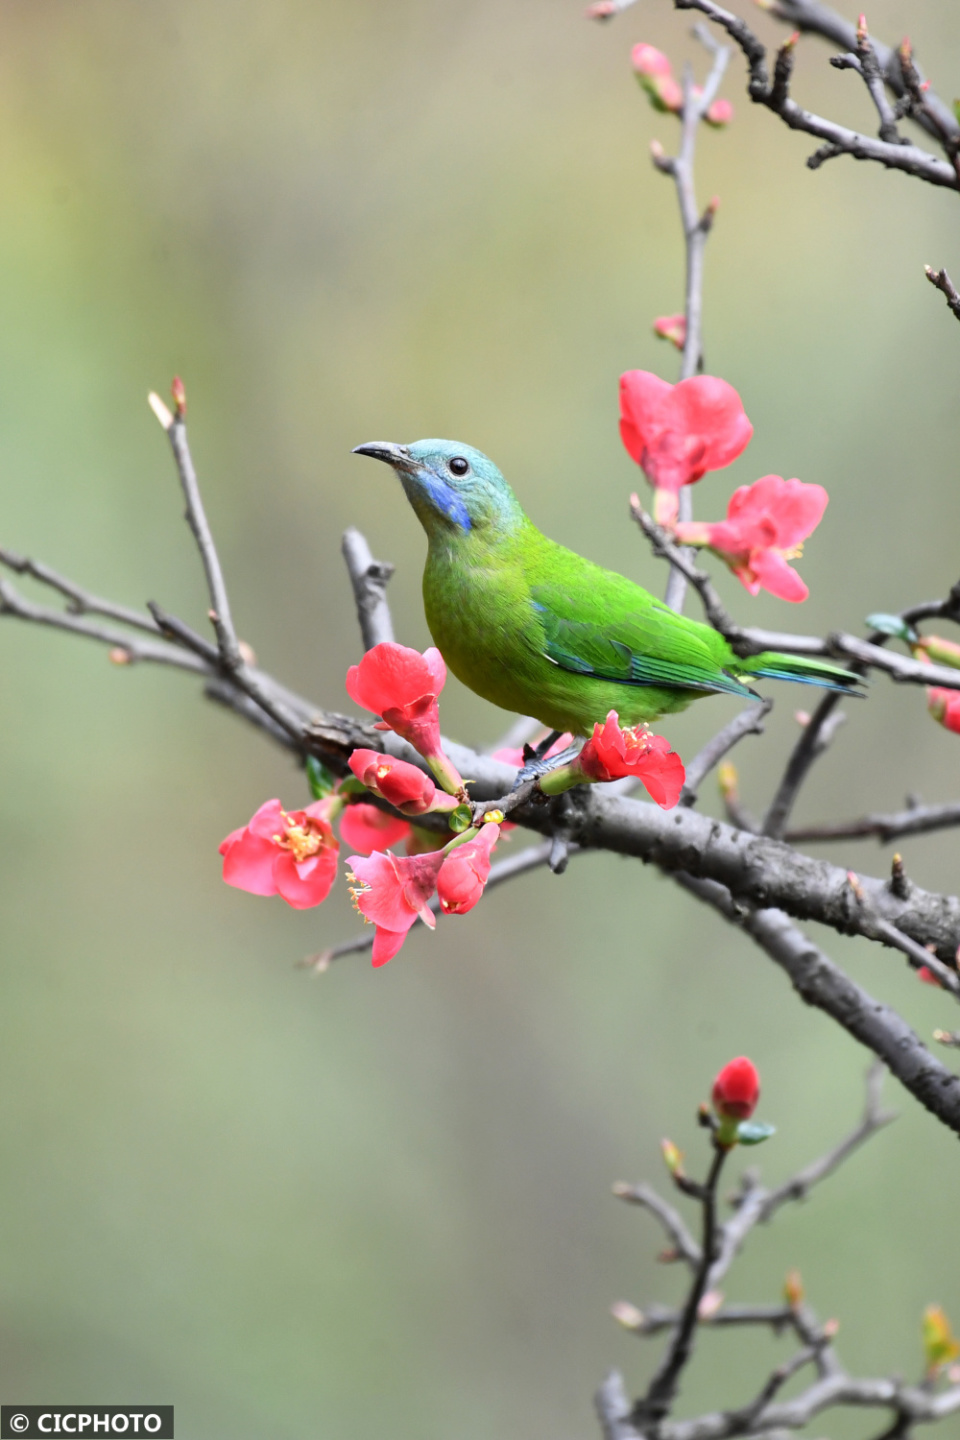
(452, 487)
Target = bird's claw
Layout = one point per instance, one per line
(533, 767)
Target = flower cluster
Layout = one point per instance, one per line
(676, 434)
(294, 854)
(395, 891)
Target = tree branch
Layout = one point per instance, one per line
(369, 579)
(839, 139)
(819, 982)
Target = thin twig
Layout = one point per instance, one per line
(696, 228)
(916, 820)
(196, 517)
(79, 600)
(655, 1404)
(369, 579)
(671, 1219)
(839, 139)
(748, 722)
(813, 18)
(920, 957)
(942, 282)
(818, 735)
(13, 604)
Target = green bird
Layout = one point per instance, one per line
(537, 629)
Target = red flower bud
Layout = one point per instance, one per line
(944, 706)
(720, 113)
(464, 874)
(399, 783)
(736, 1090)
(672, 328)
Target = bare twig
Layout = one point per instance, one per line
(613, 1407)
(679, 558)
(920, 957)
(748, 722)
(920, 1406)
(942, 282)
(917, 820)
(79, 600)
(867, 66)
(813, 18)
(656, 1403)
(369, 579)
(129, 649)
(817, 737)
(839, 139)
(671, 1220)
(696, 228)
(196, 517)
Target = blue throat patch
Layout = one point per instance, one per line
(445, 499)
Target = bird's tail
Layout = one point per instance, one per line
(804, 669)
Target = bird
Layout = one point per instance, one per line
(538, 629)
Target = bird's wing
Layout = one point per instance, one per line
(614, 630)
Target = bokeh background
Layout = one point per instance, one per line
(369, 1203)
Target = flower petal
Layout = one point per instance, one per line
(775, 575)
(248, 863)
(308, 882)
(365, 829)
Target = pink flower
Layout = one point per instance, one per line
(402, 785)
(402, 686)
(676, 433)
(944, 706)
(718, 114)
(655, 73)
(464, 872)
(612, 753)
(736, 1090)
(366, 829)
(927, 976)
(395, 890)
(765, 527)
(293, 854)
(672, 328)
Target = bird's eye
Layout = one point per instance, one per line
(459, 466)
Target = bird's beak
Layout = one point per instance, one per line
(396, 455)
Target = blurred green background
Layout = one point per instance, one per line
(379, 1203)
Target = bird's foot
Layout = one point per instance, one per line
(536, 764)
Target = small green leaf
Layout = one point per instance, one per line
(754, 1132)
(352, 786)
(893, 625)
(460, 819)
(321, 780)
